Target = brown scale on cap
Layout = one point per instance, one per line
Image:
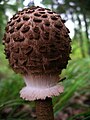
(37, 41)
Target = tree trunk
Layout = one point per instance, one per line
(52, 4)
(80, 36)
(87, 35)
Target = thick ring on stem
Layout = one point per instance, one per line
(40, 87)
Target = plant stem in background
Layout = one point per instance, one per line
(44, 109)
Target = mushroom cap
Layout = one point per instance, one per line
(37, 42)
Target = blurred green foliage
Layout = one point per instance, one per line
(12, 107)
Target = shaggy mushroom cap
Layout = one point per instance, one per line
(37, 43)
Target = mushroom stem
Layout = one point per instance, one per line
(44, 109)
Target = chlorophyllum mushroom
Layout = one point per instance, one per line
(37, 45)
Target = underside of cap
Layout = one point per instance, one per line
(40, 87)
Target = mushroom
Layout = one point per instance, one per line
(37, 46)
